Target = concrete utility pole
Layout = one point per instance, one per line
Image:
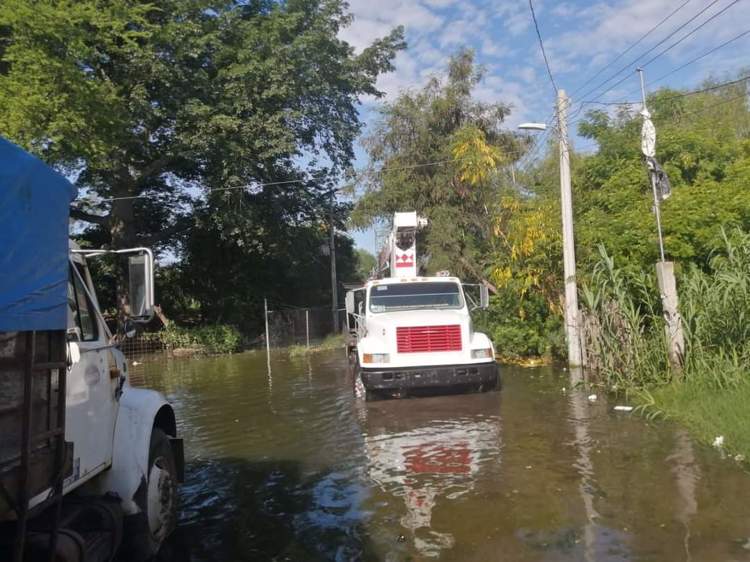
(334, 285)
(572, 329)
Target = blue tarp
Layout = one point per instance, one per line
(34, 210)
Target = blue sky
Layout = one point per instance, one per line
(580, 39)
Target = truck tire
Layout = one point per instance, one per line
(159, 516)
(161, 500)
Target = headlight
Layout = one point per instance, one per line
(375, 358)
(481, 353)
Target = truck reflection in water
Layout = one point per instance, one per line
(431, 452)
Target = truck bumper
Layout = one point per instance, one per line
(482, 376)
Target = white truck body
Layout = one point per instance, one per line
(411, 332)
(108, 422)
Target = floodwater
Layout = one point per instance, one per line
(290, 466)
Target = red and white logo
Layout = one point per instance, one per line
(405, 260)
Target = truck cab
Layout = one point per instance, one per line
(413, 334)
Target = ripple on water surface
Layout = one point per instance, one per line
(289, 466)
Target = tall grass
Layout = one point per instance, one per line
(624, 335)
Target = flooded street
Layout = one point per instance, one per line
(292, 467)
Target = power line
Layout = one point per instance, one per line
(699, 57)
(702, 25)
(626, 51)
(357, 178)
(645, 53)
(541, 46)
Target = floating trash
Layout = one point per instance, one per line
(624, 408)
(592, 397)
(718, 442)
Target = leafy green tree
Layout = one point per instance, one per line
(436, 151)
(151, 105)
(366, 262)
(701, 143)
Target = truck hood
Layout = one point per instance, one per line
(419, 318)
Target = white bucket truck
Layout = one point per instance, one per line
(89, 465)
(412, 334)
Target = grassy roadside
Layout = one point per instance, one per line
(708, 412)
(330, 342)
(626, 342)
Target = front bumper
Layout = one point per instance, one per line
(484, 375)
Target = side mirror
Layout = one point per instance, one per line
(73, 334)
(74, 353)
(129, 328)
(141, 287)
(484, 297)
(349, 302)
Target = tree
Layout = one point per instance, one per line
(152, 105)
(436, 151)
(366, 262)
(701, 143)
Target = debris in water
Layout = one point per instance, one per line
(401, 538)
(718, 442)
(136, 363)
(592, 397)
(624, 408)
(564, 390)
(739, 458)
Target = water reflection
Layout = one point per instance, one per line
(299, 470)
(687, 474)
(428, 452)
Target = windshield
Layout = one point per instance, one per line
(410, 296)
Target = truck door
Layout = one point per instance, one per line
(91, 401)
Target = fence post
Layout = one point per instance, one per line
(307, 326)
(268, 341)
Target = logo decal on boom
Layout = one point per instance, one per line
(405, 260)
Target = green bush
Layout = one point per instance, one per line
(521, 327)
(218, 338)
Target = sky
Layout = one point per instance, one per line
(581, 39)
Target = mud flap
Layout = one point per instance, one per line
(178, 453)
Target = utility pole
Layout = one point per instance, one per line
(664, 269)
(572, 329)
(334, 285)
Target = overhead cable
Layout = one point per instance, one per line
(541, 46)
(632, 46)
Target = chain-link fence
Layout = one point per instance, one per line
(141, 344)
(302, 326)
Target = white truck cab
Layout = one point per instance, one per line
(415, 333)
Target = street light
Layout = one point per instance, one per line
(533, 126)
(569, 257)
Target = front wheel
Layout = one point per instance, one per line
(159, 512)
(161, 503)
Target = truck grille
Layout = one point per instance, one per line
(415, 339)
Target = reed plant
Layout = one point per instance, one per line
(624, 336)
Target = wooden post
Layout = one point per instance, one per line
(673, 322)
(268, 339)
(307, 327)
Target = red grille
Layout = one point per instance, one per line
(414, 339)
